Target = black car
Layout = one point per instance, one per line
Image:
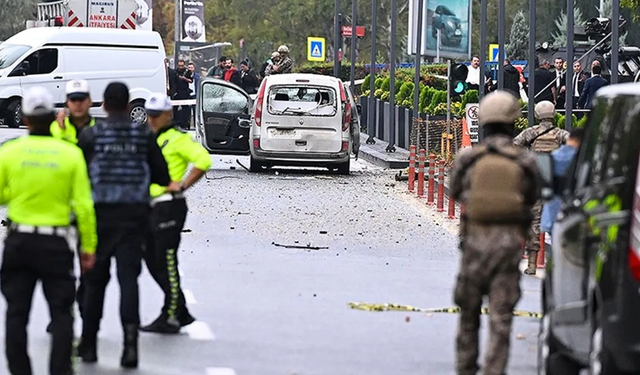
(449, 25)
(591, 292)
(223, 117)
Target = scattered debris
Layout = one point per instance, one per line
(307, 247)
(407, 318)
(187, 230)
(242, 165)
(520, 336)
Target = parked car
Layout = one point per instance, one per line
(222, 117)
(52, 56)
(302, 120)
(591, 292)
(449, 25)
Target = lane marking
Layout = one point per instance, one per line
(220, 371)
(199, 331)
(189, 297)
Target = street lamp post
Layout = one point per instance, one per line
(392, 80)
(418, 61)
(532, 65)
(354, 12)
(501, 37)
(568, 75)
(371, 113)
(336, 40)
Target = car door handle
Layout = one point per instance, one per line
(57, 77)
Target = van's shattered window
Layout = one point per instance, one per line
(221, 99)
(302, 100)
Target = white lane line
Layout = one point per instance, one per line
(199, 331)
(189, 297)
(220, 371)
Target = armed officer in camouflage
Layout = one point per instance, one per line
(497, 183)
(545, 138)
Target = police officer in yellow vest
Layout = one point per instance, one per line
(67, 127)
(42, 180)
(79, 102)
(169, 212)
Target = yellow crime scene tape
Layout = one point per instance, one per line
(446, 310)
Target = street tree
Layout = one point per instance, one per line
(517, 48)
(14, 14)
(560, 35)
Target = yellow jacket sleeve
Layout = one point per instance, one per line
(194, 152)
(55, 130)
(83, 206)
(3, 180)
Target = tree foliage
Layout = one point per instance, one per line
(14, 14)
(560, 35)
(517, 48)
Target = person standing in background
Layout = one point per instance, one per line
(193, 89)
(248, 78)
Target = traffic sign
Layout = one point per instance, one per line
(315, 49)
(472, 110)
(347, 31)
(494, 51)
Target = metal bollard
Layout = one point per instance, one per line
(432, 173)
(421, 160)
(541, 261)
(452, 208)
(412, 167)
(440, 204)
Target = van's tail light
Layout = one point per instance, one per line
(634, 241)
(345, 145)
(256, 144)
(346, 108)
(259, 100)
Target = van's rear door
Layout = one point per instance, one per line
(301, 118)
(222, 123)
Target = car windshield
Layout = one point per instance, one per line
(302, 100)
(9, 53)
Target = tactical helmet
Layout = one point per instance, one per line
(283, 49)
(499, 107)
(545, 110)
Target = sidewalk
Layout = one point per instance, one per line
(377, 154)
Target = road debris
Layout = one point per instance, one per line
(307, 247)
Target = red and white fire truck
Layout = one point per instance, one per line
(123, 14)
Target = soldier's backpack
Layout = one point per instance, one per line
(496, 178)
(546, 141)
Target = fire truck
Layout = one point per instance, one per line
(123, 14)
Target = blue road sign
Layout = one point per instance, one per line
(315, 49)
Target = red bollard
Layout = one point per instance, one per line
(421, 160)
(452, 208)
(432, 173)
(412, 167)
(440, 204)
(541, 261)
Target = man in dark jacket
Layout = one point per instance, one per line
(218, 70)
(511, 79)
(592, 85)
(248, 78)
(544, 80)
(123, 159)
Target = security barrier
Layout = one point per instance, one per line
(412, 168)
(432, 172)
(421, 161)
(440, 204)
(540, 262)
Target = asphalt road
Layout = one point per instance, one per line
(264, 309)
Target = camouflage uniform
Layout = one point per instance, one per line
(488, 265)
(526, 139)
(285, 65)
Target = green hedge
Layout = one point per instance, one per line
(558, 120)
(327, 70)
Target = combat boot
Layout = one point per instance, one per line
(130, 351)
(88, 348)
(532, 264)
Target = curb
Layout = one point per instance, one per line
(375, 154)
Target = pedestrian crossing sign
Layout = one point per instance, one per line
(315, 49)
(494, 51)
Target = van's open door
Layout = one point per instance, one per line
(222, 118)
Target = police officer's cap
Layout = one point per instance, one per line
(157, 104)
(37, 102)
(499, 107)
(545, 110)
(77, 89)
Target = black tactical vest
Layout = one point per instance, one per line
(119, 170)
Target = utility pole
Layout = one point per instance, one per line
(501, 37)
(418, 61)
(615, 40)
(371, 113)
(337, 39)
(392, 79)
(483, 55)
(176, 33)
(532, 65)
(568, 75)
(354, 13)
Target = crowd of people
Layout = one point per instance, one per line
(121, 185)
(182, 82)
(550, 83)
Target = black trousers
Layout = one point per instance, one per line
(28, 258)
(121, 234)
(161, 254)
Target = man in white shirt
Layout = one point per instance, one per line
(473, 74)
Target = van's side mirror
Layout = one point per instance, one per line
(545, 168)
(359, 108)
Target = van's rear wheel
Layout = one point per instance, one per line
(13, 115)
(137, 113)
(550, 360)
(344, 168)
(254, 165)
